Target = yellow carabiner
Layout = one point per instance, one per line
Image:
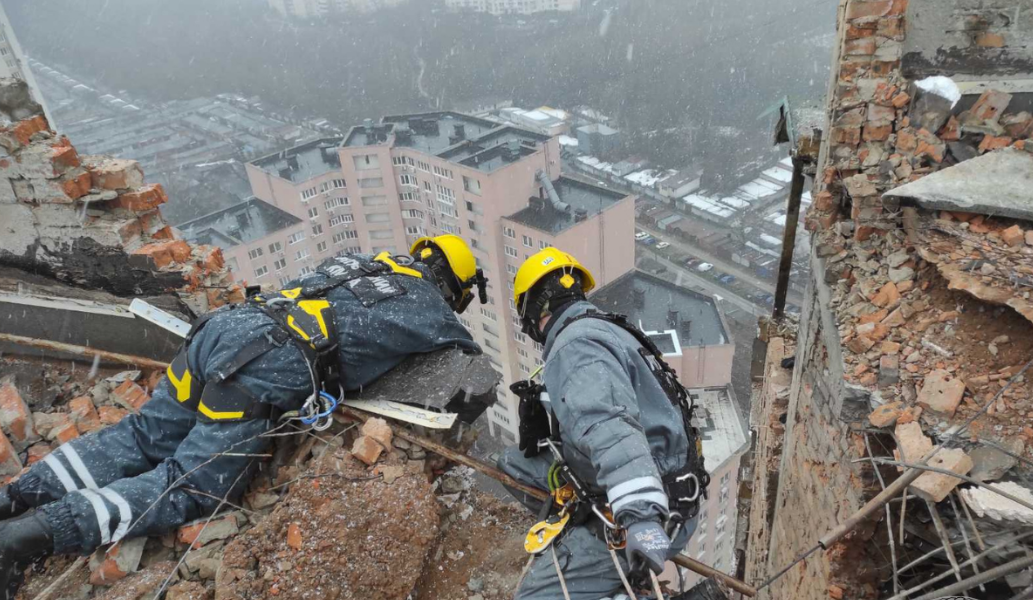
(542, 534)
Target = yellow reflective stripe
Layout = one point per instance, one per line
(315, 308)
(292, 325)
(385, 258)
(216, 415)
(182, 384)
(292, 294)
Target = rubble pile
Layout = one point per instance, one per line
(328, 517)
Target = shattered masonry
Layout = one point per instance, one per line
(918, 312)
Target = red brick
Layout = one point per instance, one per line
(146, 198)
(991, 143)
(37, 452)
(848, 136)
(129, 394)
(24, 130)
(824, 201)
(76, 186)
(877, 133)
(886, 296)
(990, 105)
(65, 433)
(235, 295)
(166, 252)
(199, 534)
(84, 414)
(900, 100)
(862, 46)
(951, 132)
(213, 259)
(990, 39)
(165, 233)
(10, 464)
(379, 430)
(1013, 236)
(891, 27)
(15, 417)
(1018, 126)
(366, 449)
(107, 573)
(109, 415)
(64, 158)
(929, 145)
(867, 9)
(294, 539)
(854, 33)
(907, 141)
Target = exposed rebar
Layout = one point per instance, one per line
(988, 575)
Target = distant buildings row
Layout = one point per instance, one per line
(315, 9)
(514, 7)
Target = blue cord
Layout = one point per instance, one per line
(314, 418)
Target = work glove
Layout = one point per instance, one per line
(534, 418)
(10, 506)
(21, 541)
(648, 545)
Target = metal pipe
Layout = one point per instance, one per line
(550, 191)
(989, 575)
(785, 265)
(944, 539)
(964, 535)
(126, 359)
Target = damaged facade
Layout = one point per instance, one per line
(916, 319)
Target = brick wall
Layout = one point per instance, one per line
(93, 222)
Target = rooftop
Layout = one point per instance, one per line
(304, 162)
(588, 198)
(698, 321)
(597, 128)
(241, 223)
(720, 424)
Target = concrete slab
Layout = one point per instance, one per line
(998, 184)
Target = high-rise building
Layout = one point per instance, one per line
(514, 7)
(14, 64)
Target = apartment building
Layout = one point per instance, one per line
(314, 9)
(14, 64)
(514, 7)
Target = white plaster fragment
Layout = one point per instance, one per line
(986, 503)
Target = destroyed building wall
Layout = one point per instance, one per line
(878, 325)
(93, 222)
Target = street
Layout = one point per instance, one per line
(679, 275)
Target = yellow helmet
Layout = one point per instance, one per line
(461, 264)
(541, 264)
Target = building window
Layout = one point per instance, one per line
(408, 197)
(487, 313)
(306, 271)
(285, 280)
(353, 250)
(302, 254)
(313, 212)
(371, 182)
(409, 180)
(351, 234)
(412, 214)
(441, 172)
(423, 166)
(308, 194)
(427, 187)
(411, 230)
(374, 200)
(451, 229)
(275, 247)
(261, 271)
(471, 185)
(446, 195)
(321, 246)
(365, 162)
(528, 242)
(341, 220)
(511, 269)
(383, 234)
(333, 203)
(253, 254)
(339, 184)
(509, 232)
(511, 251)
(295, 238)
(447, 210)
(378, 218)
(280, 264)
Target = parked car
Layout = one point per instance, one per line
(649, 241)
(692, 262)
(727, 279)
(641, 235)
(704, 267)
(662, 245)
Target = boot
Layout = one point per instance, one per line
(11, 505)
(21, 541)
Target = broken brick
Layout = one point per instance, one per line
(888, 295)
(889, 370)
(991, 143)
(116, 174)
(951, 132)
(130, 395)
(197, 534)
(935, 486)
(885, 415)
(1013, 236)
(366, 449)
(990, 105)
(941, 392)
(15, 417)
(64, 433)
(165, 253)
(37, 452)
(990, 39)
(84, 414)
(914, 444)
(379, 430)
(10, 464)
(294, 539)
(874, 317)
(145, 198)
(109, 415)
(877, 132)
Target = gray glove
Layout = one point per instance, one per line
(648, 545)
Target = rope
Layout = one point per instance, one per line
(559, 573)
(656, 586)
(624, 579)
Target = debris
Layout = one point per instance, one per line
(294, 536)
(988, 504)
(366, 449)
(989, 464)
(913, 443)
(935, 486)
(109, 565)
(885, 415)
(219, 528)
(941, 392)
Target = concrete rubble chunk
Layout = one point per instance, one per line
(989, 464)
(985, 503)
(913, 443)
(941, 392)
(935, 486)
(379, 430)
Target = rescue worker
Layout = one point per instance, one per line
(621, 422)
(240, 369)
